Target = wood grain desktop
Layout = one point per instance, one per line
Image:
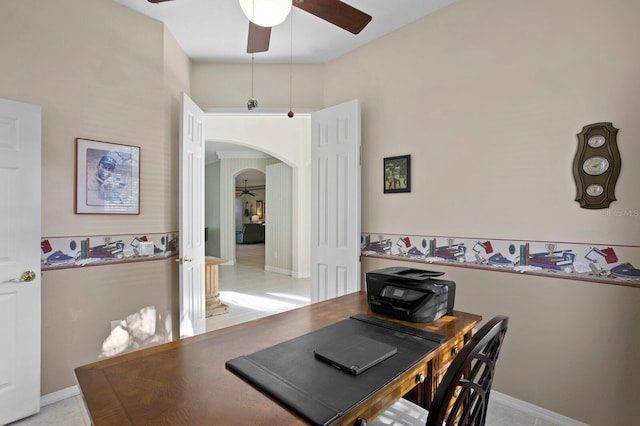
(185, 382)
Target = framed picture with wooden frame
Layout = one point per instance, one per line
(397, 174)
(107, 178)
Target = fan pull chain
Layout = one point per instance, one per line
(252, 103)
(290, 113)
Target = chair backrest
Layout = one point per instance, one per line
(463, 394)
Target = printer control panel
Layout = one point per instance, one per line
(400, 295)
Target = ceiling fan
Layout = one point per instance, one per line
(335, 12)
(247, 190)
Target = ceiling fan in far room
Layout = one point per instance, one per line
(335, 12)
(247, 189)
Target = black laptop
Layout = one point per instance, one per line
(354, 354)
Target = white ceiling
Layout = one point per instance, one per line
(216, 30)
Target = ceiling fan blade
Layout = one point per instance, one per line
(259, 38)
(338, 13)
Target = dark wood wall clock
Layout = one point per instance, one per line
(596, 166)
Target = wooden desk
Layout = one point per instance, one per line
(185, 382)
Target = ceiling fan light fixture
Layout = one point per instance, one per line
(266, 13)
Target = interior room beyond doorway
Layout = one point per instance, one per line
(249, 210)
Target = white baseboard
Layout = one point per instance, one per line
(277, 270)
(534, 410)
(293, 274)
(57, 396)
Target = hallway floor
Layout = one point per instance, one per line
(250, 292)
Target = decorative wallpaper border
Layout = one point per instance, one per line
(586, 262)
(97, 250)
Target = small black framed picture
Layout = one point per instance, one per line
(397, 174)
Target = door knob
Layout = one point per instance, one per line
(25, 277)
(181, 260)
(28, 276)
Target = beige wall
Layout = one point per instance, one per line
(78, 307)
(99, 71)
(229, 85)
(487, 97)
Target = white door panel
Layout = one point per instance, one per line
(192, 161)
(20, 190)
(335, 201)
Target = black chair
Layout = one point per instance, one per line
(462, 396)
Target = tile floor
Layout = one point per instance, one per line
(250, 292)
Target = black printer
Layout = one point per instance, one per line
(410, 294)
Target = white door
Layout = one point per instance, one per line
(192, 287)
(335, 201)
(19, 260)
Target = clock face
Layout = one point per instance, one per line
(595, 166)
(594, 190)
(596, 141)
